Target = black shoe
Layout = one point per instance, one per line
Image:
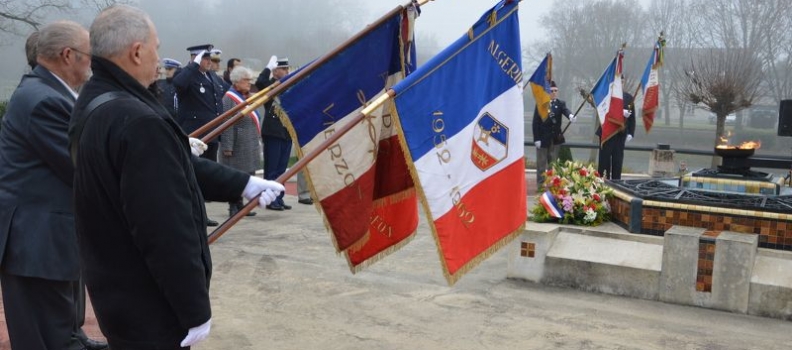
(285, 206)
(308, 201)
(252, 213)
(91, 344)
(211, 223)
(277, 207)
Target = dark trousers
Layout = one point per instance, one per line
(276, 158)
(611, 157)
(40, 313)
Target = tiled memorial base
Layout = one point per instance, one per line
(656, 217)
(730, 185)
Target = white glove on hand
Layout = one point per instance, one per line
(273, 62)
(538, 144)
(199, 57)
(572, 118)
(629, 138)
(196, 334)
(197, 147)
(626, 113)
(269, 190)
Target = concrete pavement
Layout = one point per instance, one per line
(278, 284)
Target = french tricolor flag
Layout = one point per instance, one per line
(650, 84)
(461, 122)
(549, 203)
(609, 100)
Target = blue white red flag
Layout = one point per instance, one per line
(362, 181)
(550, 204)
(609, 99)
(650, 84)
(461, 123)
(540, 86)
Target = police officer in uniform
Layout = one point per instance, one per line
(200, 94)
(165, 86)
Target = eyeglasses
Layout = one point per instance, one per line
(80, 52)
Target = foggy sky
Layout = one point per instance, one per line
(442, 21)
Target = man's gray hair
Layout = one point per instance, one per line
(239, 73)
(117, 27)
(56, 36)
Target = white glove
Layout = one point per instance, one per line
(268, 190)
(196, 334)
(273, 62)
(626, 113)
(199, 57)
(572, 118)
(197, 147)
(538, 144)
(629, 138)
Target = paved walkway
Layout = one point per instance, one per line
(278, 284)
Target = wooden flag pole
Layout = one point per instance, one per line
(378, 102)
(302, 73)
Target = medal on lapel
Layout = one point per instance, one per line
(202, 90)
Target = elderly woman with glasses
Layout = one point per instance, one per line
(240, 145)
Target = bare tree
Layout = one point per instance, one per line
(100, 5)
(722, 81)
(17, 17)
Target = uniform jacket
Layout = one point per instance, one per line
(546, 130)
(168, 96)
(271, 125)
(200, 98)
(37, 236)
(141, 221)
(243, 139)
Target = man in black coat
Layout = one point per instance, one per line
(139, 196)
(39, 266)
(547, 133)
(611, 154)
(274, 135)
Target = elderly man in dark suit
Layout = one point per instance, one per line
(39, 264)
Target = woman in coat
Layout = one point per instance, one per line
(240, 147)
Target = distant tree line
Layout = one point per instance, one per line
(721, 55)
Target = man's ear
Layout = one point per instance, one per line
(135, 52)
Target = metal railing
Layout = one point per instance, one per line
(758, 161)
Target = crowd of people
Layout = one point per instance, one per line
(84, 135)
(98, 117)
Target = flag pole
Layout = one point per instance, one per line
(302, 162)
(587, 97)
(304, 72)
(233, 111)
(576, 113)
